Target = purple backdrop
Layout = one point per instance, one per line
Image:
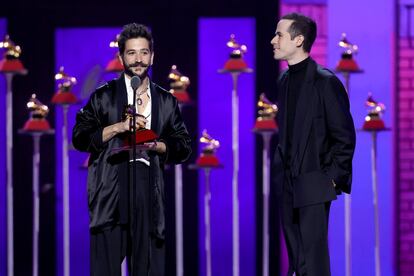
(3, 180)
(84, 52)
(214, 103)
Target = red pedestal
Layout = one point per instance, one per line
(11, 66)
(208, 160)
(264, 125)
(182, 96)
(114, 66)
(347, 65)
(374, 125)
(36, 125)
(235, 64)
(141, 136)
(63, 97)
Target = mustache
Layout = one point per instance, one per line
(136, 64)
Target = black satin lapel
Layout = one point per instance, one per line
(121, 96)
(155, 109)
(303, 120)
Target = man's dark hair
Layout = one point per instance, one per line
(302, 25)
(134, 30)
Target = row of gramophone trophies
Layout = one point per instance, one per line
(36, 126)
(207, 161)
(374, 124)
(265, 125)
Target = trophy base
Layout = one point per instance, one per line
(182, 96)
(62, 97)
(11, 66)
(36, 125)
(114, 66)
(141, 136)
(347, 65)
(235, 64)
(208, 161)
(374, 125)
(265, 125)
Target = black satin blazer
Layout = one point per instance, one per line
(323, 139)
(104, 108)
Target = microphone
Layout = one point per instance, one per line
(135, 82)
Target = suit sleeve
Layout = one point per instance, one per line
(87, 132)
(341, 133)
(176, 137)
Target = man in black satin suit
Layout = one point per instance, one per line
(127, 219)
(313, 163)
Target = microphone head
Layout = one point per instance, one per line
(135, 82)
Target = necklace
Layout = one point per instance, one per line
(139, 100)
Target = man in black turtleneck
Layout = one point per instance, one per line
(313, 163)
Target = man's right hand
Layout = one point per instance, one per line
(127, 125)
(110, 131)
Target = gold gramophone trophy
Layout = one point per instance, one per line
(265, 126)
(114, 65)
(347, 63)
(374, 124)
(236, 61)
(38, 113)
(265, 120)
(142, 135)
(347, 66)
(207, 161)
(178, 85)
(373, 120)
(36, 126)
(10, 62)
(65, 97)
(208, 156)
(65, 82)
(235, 65)
(10, 65)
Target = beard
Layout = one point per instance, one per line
(128, 69)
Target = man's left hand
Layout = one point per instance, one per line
(157, 146)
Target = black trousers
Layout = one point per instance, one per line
(145, 254)
(306, 234)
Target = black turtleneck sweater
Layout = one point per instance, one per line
(295, 82)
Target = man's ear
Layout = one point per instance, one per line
(299, 40)
(152, 58)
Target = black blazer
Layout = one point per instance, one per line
(323, 138)
(104, 108)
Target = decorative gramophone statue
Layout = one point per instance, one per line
(10, 61)
(208, 156)
(64, 94)
(347, 62)
(142, 135)
(38, 113)
(373, 120)
(178, 85)
(114, 65)
(235, 62)
(266, 115)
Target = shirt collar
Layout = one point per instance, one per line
(129, 88)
